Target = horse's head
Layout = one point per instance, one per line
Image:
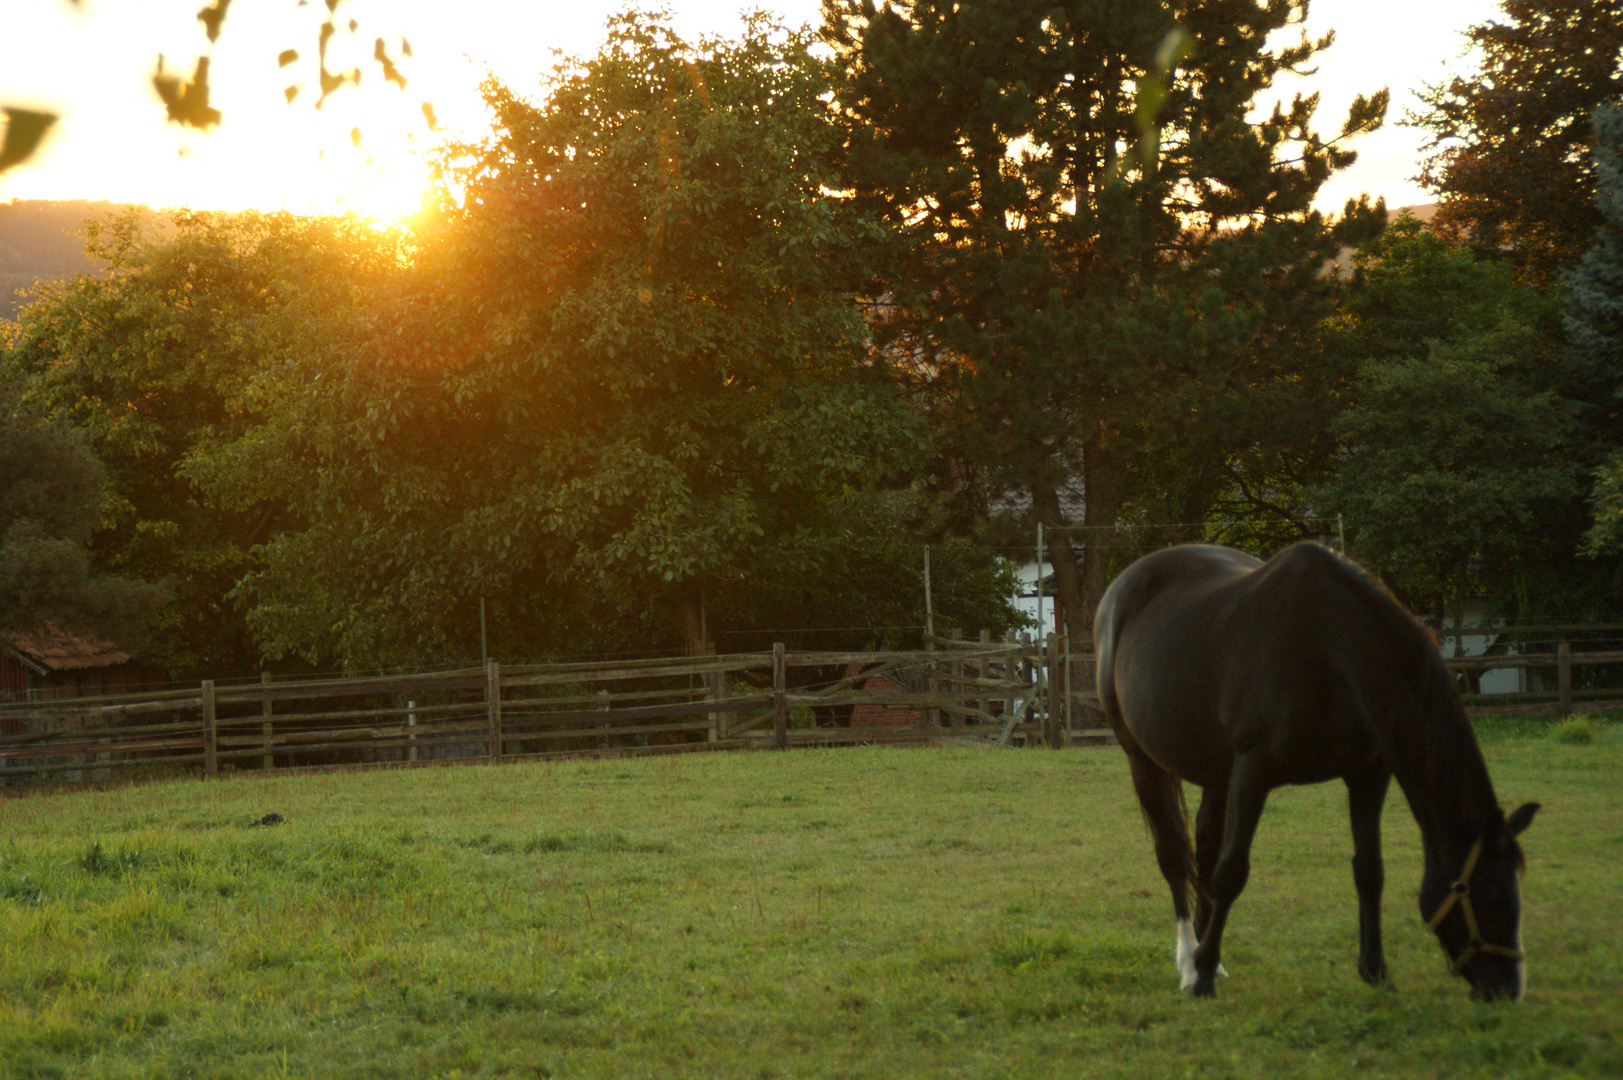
(1476, 912)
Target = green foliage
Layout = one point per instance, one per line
(1594, 324)
(1458, 449)
(623, 373)
(1594, 299)
(1578, 730)
(813, 913)
(1072, 308)
(1447, 459)
(25, 129)
(1511, 153)
(150, 360)
(51, 489)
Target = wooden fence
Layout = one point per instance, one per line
(974, 693)
(971, 693)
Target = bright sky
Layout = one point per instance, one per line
(92, 63)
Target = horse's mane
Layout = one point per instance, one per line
(1416, 639)
(1433, 707)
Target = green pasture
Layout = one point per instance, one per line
(862, 912)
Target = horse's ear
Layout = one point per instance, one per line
(1520, 818)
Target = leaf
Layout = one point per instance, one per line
(187, 102)
(24, 130)
(390, 72)
(212, 16)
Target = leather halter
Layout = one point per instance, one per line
(1460, 893)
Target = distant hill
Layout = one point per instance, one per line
(40, 240)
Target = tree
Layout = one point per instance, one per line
(150, 360)
(1510, 154)
(1095, 281)
(1459, 455)
(50, 502)
(1594, 299)
(1447, 464)
(621, 373)
(1594, 323)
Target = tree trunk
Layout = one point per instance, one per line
(1068, 587)
(687, 616)
(1102, 486)
(1080, 583)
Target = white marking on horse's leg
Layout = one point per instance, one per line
(1186, 953)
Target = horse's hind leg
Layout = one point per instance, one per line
(1208, 842)
(1365, 794)
(1247, 794)
(1160, 795)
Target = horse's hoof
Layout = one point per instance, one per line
(1377, 977)
(1205, 986)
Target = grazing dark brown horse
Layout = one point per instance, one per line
(1240, 676)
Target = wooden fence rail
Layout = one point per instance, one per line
(971, 693)
(980, 693)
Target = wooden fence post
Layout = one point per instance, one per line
(956, 720)
(1056, 687)
(780, 698)
(1065, 717)
(411, 731)
(715, 690)
(1028, 679)
(983, 670)
(1563, 678)
(269, 760)
(211, 743)
(493, 705)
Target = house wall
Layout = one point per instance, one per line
(1026, 600)
(1461, 642)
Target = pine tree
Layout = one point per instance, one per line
(1108, 271)
(1594, 315)
(1511, 158)
(1594, 323)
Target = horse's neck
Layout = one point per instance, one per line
(1437, 763)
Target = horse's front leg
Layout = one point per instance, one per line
(1366, 792)
(1247, 794)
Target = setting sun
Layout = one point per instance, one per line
(280, 143)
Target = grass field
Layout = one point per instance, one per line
(845, 913)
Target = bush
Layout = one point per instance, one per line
(1577, 729)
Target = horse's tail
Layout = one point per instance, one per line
(1160, 797)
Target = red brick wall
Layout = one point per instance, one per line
(884, 715)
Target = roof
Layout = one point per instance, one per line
(53, 649)
(1073, 502)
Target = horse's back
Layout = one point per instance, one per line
(1154, 661)
(1205, 652)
